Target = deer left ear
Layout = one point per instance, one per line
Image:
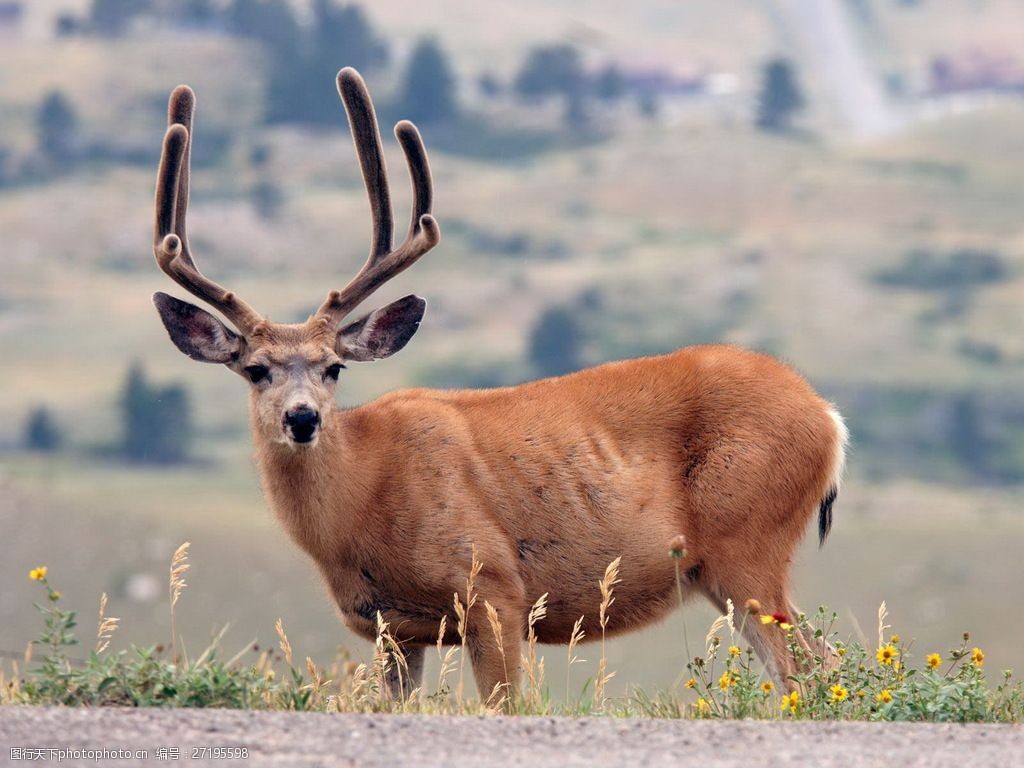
(382, 332)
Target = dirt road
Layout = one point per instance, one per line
(281, 738)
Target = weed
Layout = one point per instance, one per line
(835, 680)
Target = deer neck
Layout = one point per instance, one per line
(318, 492)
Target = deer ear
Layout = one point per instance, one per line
(196, 332)
(382, 332)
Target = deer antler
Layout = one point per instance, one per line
(383, 263)
(170, 241)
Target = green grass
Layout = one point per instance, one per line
(722, 681)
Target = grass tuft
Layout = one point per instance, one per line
(837, 680)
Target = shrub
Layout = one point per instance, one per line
(955, 271)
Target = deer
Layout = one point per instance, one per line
(546, 482)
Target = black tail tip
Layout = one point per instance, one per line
(825, 515)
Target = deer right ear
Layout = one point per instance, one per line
(196, 332)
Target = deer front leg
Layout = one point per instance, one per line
(495, 655)
(401, 680)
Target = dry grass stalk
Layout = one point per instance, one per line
(725, 620)
(574, 639)
(496, 629)
(883, 612)
(176, 585)
(387, 655)
(286, 647)
(445, 657)
(106, 627)
(534, 667)
(462, 613)
(607, 585)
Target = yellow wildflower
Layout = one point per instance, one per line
(861, 694)
(895, 639)
(727, 680)
(886, 654)
(767, 686)
(977, 657)
(702, 706)
(734, 651)
(691, 683)
(934, 660)
(885, 697)
(840, 652)
(767, 619)
(38, 574)
(790, 702)
(839, 693)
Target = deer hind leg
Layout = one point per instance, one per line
(402, 679)
(817, 646)
(769, 641)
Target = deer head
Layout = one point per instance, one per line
(293, 369)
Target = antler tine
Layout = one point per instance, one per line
(180, 108)
(419, 171)
(424, 232)
(365, 133)
(170, 244)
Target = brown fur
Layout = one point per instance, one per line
(553, 479)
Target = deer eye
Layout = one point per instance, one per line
(333, 371)
(257, 373)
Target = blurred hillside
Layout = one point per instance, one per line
(875, 240)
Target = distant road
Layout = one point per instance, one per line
(826, 32)
(290, 739)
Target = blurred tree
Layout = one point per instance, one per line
(111, 17)
(66, 25)
(649, 106)
(780, 98)
(200, 13)
(555, 70)
(157, 420)
(555, 342)
(301, 83)
(609, 84)
(6, 165)
(41, 431)
(427, 92)
(267, 199)
(56, 124)
(271, 22)
(967, 438)
(489, 84)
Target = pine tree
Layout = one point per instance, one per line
(56, 125)
(301, 83)
(41, 431)
(555, 342)
(157, 420)
(428, 85)
(555, 70)
(780, 98)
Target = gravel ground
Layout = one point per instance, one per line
(283, 738)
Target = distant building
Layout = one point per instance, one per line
(975, 71)
(656, 81)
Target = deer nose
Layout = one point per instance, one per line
(302, 422)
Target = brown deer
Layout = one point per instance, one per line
(547, 481)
